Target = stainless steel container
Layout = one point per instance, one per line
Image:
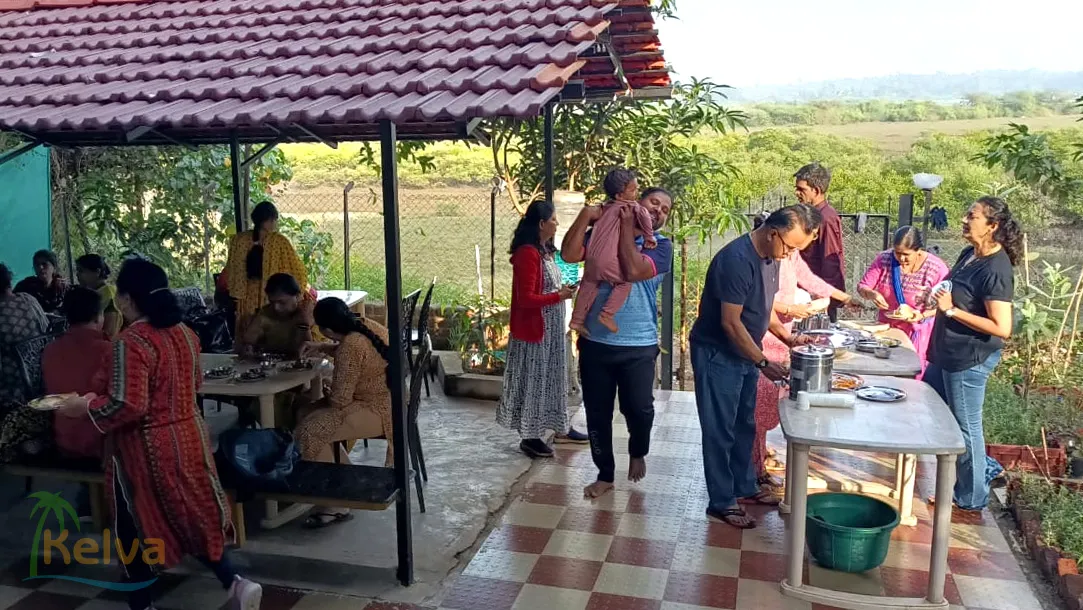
(820, 321)
(810, 369)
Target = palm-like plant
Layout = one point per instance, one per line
(48, 503)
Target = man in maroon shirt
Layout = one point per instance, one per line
(824, 256)
(75, 363)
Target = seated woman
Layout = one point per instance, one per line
(46, 285)
(75, 363)
(359, 404)
(283, 325)
(21, 318)
(92, 272)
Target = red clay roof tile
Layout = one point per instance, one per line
(89, 71)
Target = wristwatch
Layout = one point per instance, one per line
(950, 312)
(762, 364)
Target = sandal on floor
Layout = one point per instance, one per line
(774, 464)
(763, 498)
(317, 521)
(726, 516)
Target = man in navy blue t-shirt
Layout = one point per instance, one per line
(735, 312)
(622, 362)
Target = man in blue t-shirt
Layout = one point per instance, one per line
(622, 362)
(735, 312)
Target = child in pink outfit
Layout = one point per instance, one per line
(602, 264)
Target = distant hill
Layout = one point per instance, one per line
(934, 87)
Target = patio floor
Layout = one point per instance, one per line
(644, 546)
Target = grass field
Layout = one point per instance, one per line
(897, 138)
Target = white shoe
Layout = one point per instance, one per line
(244, 594)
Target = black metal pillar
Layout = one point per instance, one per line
(236, 168)
(393, 300)
(666, 371)
(492, 243)
(550, 182)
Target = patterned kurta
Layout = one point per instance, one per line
(359, 382)
(929, 274)
(793, 272)
(278, 257)
(535, 382)
(50, 297)
(21, 318)
(156, 447)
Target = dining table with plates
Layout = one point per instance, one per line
(227, 375)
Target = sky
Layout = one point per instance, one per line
(771, 42)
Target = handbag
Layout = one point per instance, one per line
(214, 332)
(268, 454)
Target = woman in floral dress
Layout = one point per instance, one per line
(21, 318)
(161, 480)
(535, 382)
(901, 276)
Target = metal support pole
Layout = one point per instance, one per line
(667, 332)
(492, 243)
(235, 169)
(67, 240)
(393, 301)
(928, 206)
(346, 233)
(550, 182)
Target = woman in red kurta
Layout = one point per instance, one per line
(160, 476)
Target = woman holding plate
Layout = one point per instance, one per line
(896, 282)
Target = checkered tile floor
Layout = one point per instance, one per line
(649, 546)
(178, 593)
(645, 546)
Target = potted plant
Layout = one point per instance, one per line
(478, 332)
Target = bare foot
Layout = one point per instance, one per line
(597, 489)
(637, 469)
(607, 321)
(580, 329)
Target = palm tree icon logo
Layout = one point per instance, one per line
(48, 504)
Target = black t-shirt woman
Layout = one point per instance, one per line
(973, 319)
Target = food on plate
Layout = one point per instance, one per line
(904, 312)
(845, 382)
(51, 402)
(301, 364)
(219, 372)
(819, 305)
(251, 375)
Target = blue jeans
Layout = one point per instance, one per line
(964, 392)
(726, 401)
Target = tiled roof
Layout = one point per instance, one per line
(107, 71)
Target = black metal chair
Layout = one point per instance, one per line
(409, 308)
(421, 336)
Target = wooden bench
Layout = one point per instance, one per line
(333, 485)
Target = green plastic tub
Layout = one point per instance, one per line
(849, 532)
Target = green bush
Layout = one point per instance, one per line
(1008, 421)
(1061, 512)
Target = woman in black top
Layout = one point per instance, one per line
(972, 322)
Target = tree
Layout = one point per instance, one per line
(49, 504)
(171, 204)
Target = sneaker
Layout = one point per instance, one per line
(535, 448)
(244, 595)
(572, 437)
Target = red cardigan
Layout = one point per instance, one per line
(527, 300)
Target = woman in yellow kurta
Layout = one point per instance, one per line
(255, 256)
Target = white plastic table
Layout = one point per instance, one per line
(904, 362)
(265, 391)
(355, 299)
(919, 425)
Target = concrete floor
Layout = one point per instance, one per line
(472, 465)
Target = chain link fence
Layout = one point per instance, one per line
(447, 234)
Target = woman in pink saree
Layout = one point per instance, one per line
(793, 273)
(900, 276)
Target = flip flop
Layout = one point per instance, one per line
(763, 498)
(726, 517)
(317, 521)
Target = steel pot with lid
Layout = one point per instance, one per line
(810, 369)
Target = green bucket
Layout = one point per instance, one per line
(849, 532)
